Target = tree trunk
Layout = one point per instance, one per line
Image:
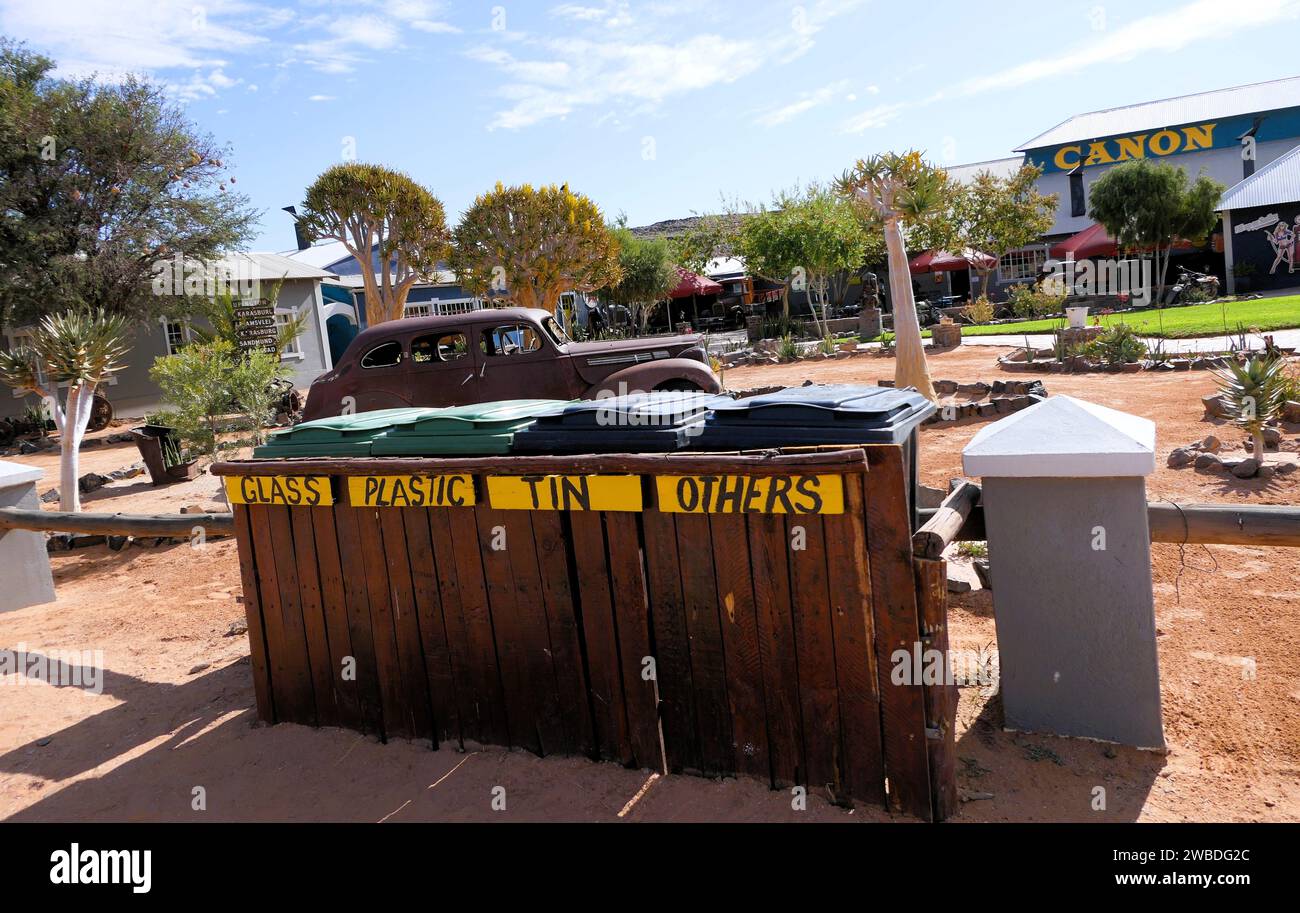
(910, 368)
(76, 416)
(1257, 438)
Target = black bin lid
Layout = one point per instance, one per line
(655, 409)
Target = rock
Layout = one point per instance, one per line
(956, 585)
(86, 541)
(91, 481)
(237, 628)
(970, 795)
(1266, 472)
(977, 388)
(50, 496)
(44, 740)
(117, 543)
(1272, 437)
(1291, 411)
(1246, 468)
(195, 670)
(1215, 406)
(945, 386)
(1209, 461)
(1179, 457)
(981, 566)
(27, 448)
(1211, 444)
(191, 509)
(987, 410)
(1285, 469)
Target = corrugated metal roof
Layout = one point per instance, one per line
(1277, 182)
(323, 256)
(270, 267)
(1170, 112)
(1002, 168)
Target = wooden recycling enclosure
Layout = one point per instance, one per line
(718, 614)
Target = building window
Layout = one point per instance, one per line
(282, 320)
(1078, 204)
(1021, 264)
(178, 335)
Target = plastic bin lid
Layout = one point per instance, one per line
(347, 427)
(492, 417)
(825, 404)
(656, 409)
(605, 439)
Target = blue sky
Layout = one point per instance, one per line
(654, 109)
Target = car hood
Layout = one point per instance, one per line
(597, 360)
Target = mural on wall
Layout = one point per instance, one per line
(1266, 246)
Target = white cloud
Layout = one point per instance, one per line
(1168, 31)
(807, 102)
(870, 119)
(321, 98)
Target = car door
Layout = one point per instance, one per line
(382, 382)
(443, 369)
(518, 361)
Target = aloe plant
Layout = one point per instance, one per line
(1254, 394)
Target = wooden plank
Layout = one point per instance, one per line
(466, 675)
(894, 612)
(672, 644)
(533, 631)
(940, 699)
(947, 521)
(631, 617)
(1226, 524)
(488, 708)
(313, 615)
(433, 629)
(398, 720)
(765, 462)
(562, 624)
(708, 657)
(605, 680)
(815, 653)
(99, 524)
(334, 607)
(739, 624)
(769, 550)
(356, 591)
(849, 582)
(300, 701)
(406, 625)
(257, 649)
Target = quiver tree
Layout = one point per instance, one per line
(395, 228)
(897, 192)
(531, 244)
(79, 349)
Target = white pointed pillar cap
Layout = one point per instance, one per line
(1063, 437)
(17, 474)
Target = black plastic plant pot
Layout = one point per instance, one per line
(149, 441)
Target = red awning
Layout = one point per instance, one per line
(940, 261)
(1094, 241)
(693, 284)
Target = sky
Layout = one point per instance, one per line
(655, 110)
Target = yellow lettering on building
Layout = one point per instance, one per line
(1201, 137)
(1132, 147)
(1062, 162)
(1098, 155)
(1165, 142)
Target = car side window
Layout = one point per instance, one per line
(439, 347)
(384, 355)
(513, 339)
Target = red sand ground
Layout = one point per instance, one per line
(176, 709)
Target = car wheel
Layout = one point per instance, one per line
(679, 385)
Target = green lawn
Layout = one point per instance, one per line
(1178, 323)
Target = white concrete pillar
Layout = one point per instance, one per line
(1070, 558)
(23, 556)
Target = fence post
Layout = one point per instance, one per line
(29, 581)
(1070, 556)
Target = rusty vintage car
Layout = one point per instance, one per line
(496, 354)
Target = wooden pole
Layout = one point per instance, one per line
(941, 529)
(116, 524)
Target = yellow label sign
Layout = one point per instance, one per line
(564, 492)
(455, 490)
(793, 494)
(284, 491)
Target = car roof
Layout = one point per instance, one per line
(408, 326)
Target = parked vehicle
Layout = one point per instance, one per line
(1206, 285)
(496, 354)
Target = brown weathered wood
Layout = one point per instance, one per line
(672, 646)
(604, 663)
(365, 668)
(334, 606)
(849, 577)
(307, 568)
(894, 612)
(708, 663)
(145, 525)
(769, 562)
(941, 529)
(466, 675)
(574, 705)
(398, 721)
(433, 631)
(739, 624)
(632, 622)
(275, 548)
(257, 650)
(815, 652)
(485, 705)
(768, 462)
(406, 625)
(941, 698)
(1224, 524)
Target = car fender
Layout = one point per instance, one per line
(649, 375)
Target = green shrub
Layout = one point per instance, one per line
(1119, 345)
(787, 347)
(1031, 302)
